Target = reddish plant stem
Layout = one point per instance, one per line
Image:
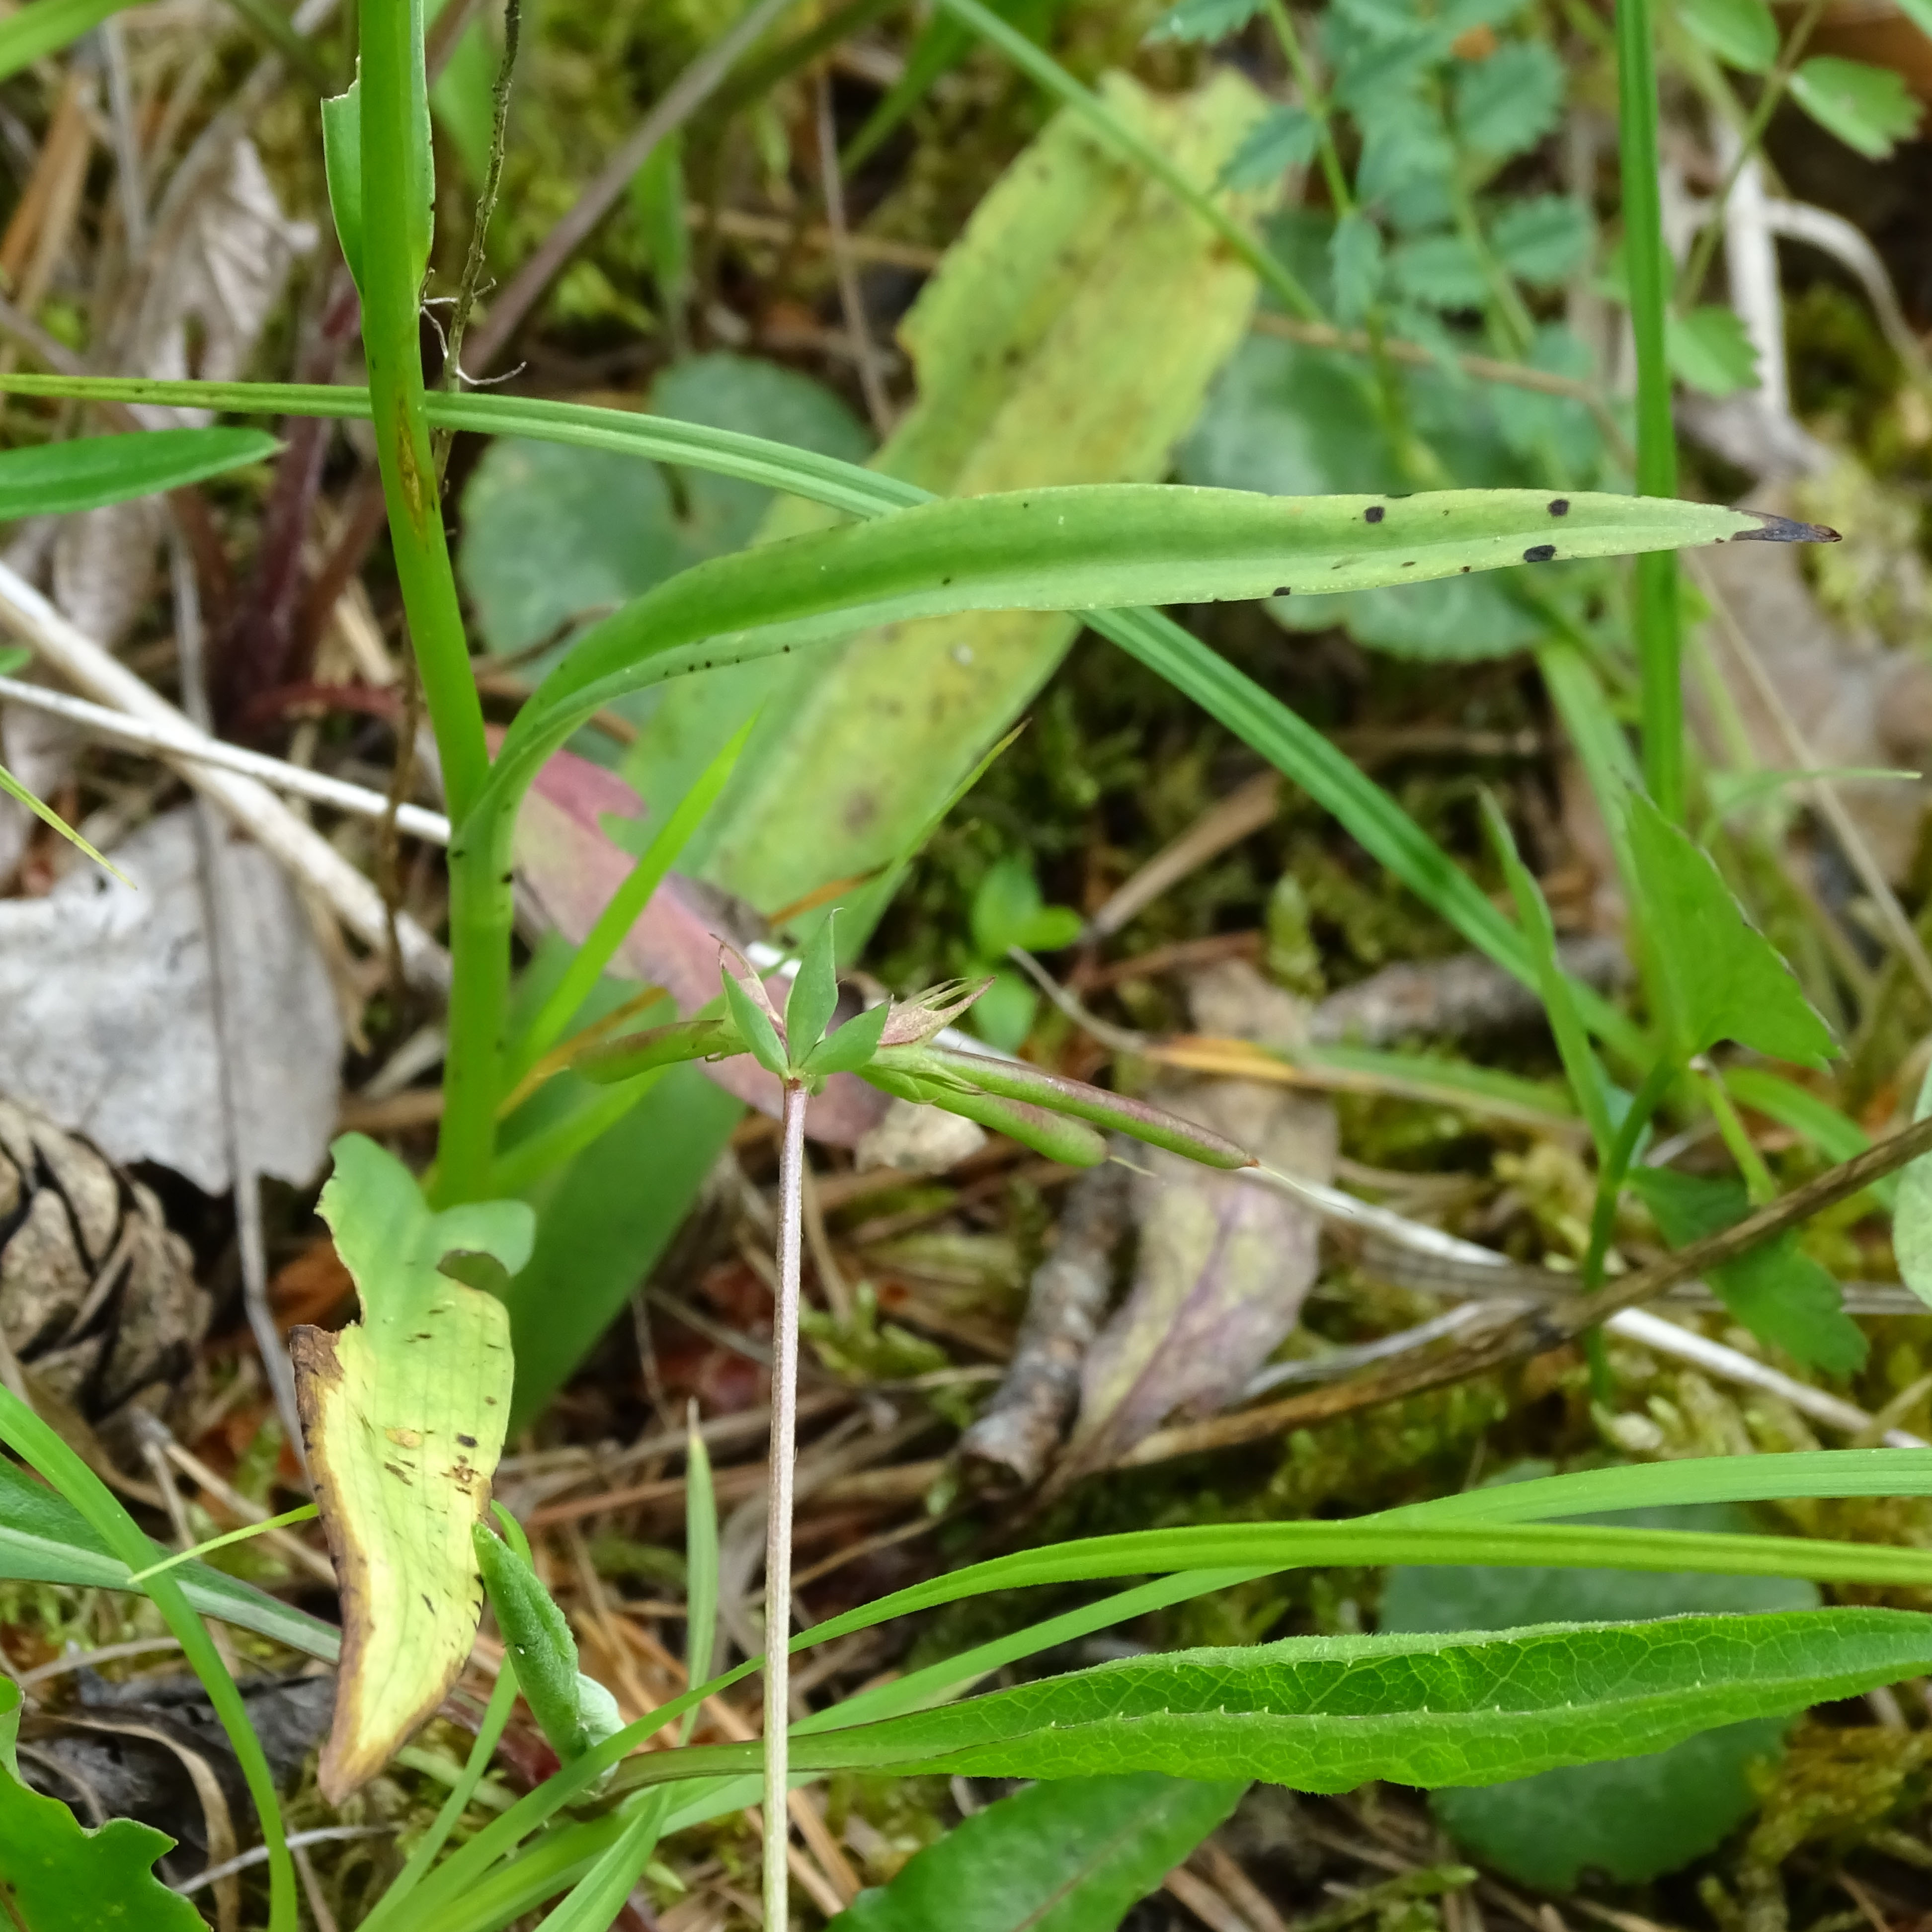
(778, 1524)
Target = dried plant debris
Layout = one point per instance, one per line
(107, 1017)
(1219, 1276)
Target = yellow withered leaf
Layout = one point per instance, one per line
(403, 1415)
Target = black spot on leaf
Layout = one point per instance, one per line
(1374, 514)
(1559, 506)
(1539, 553)
(1281, 590)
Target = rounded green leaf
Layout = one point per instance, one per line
(1741, 33)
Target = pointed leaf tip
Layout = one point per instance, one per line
(1785, 530)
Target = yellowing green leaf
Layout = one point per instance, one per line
(403, 1414)
(55, 1876)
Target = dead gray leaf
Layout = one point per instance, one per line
(107, 1015)
(1222, 1270)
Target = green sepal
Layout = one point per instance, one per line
(814, 993)
(754, 1028)
(851, 1047)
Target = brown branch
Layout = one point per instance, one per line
(1517, 1333)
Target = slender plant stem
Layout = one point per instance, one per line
(777, 1525)
(392, 127)
(1761, 1188)
(1316, 101)
(1647, 264)
(1706, 247)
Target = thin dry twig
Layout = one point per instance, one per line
(851, 296)
(679, 102)
(293, 843)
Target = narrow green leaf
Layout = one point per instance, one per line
(56, 1877)
(1587, 1079)
(1777, 1290)
(1868, 108)
(700, 1562)
(46, 26)
(754, 1028)
(1327, 1714)
(814, 991)
(404, 1414)
(47, 814)
(1724, 978)
(1741, 33)
(86, 473)
(610, 1063)
(1073, 1856)
(44, 1539)
(342, 166)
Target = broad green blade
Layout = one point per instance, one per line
(404, 1415)
(1070, 1856)
(1327, 1714)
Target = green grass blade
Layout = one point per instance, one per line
(626, 904)
(46, 26)
(47, 814)
(1647, 262)
(700, 1563)
(29, 1437)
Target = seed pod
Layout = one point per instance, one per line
(1014, 1080)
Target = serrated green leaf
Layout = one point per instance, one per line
(403, 1413)
(814, 992)
(55, 1876)
(88, 472)
(1542, 238)
(1203, 20)
(1505, 104)
(1441, 270)
(1724, 980)
(852, 1046)
(1709, 350)
(1355, 266)
(1285, 138)
(1868, 108)
(1631, 1818)
(1327, 1714)
(1741, 33)
(1777, 1290)
(1073, 1856)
